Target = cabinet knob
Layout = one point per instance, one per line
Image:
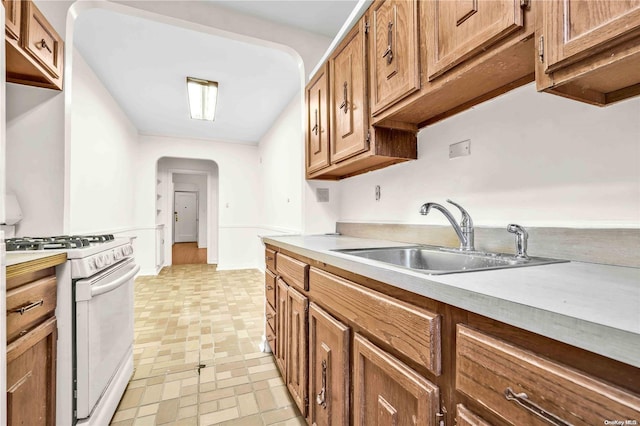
(42, 44)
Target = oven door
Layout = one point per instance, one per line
(104, 333)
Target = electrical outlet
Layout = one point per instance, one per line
(460, 149)
(322, 195)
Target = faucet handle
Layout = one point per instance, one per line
(466, 221)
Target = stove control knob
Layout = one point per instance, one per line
(99, 262)
(108, 259)
(117, 253)
(127, 250)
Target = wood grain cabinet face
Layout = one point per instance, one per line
(12, 16)
(31, 377)
(457, 30)
(328, 369)
(296, 342)
(393, 57)
(317, 131)
(349, 112)
(387, 393)
(513, 383)
(588, 50)
(579, 28)
(41, 40)
(281, 327)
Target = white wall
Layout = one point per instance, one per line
(536, 159)
(239, 208)
(195, 183)
(103, 154)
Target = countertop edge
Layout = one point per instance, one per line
(621, 345)
(32, 262)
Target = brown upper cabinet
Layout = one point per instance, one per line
(352, 144)
(393, 52)
(34, 50)
(12, 13)
(589, 50)
(459, 30)
(349, 111)
(318, 134)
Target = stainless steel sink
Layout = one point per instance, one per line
(437, 260)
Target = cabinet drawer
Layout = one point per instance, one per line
(41, 40)
(294, 272)
(270, 315)
(514, 383)
(410, 330)
(30, 304)
(270, 287)
(270, 259)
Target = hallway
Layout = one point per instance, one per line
(196, 353)
(188, 254)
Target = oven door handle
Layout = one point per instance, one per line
(105, 288)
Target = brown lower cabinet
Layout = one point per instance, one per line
(32, 341)
(329, 357)
(366, 353)
(388, 393)
(31, 377)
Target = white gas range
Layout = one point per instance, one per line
(95, 323)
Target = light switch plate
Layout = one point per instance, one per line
(460, 149)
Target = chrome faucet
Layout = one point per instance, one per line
(464, 230)
(521, 240)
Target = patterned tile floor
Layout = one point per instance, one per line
(196, 354)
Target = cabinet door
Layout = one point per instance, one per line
(41, 41)
(12, 13)
(393, 52)
(318, 121)
(458, 30)
(297, 367)
(31, 377)
(349, 110)
(387, 392)
(578, 28)
(280, 351)
(329, 369)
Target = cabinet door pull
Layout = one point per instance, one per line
(314, 129)
(344, 97)
(269, 316)
(42, 44)
(389, 52)
(269, 287)
(522, 399)
(321, 398)
(29, 306)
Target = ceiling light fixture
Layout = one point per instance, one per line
(202, 98)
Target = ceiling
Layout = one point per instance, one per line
(144, 65)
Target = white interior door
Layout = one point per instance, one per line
(185, 217)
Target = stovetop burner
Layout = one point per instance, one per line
(55, 243)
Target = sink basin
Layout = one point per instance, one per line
(437, 260)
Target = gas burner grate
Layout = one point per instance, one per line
(58, 242)
(98, 238)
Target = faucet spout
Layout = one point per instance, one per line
(464, 231)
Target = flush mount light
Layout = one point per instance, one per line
(202, 98)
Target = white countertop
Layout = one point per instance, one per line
(591, 306)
